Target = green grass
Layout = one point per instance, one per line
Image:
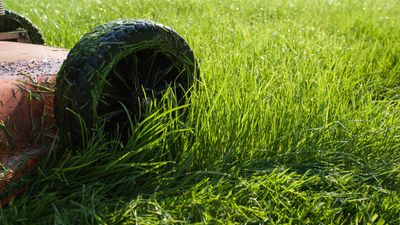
(296, 120)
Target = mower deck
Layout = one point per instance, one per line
(27, 125)
(13, 51)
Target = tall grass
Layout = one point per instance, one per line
(295, 120)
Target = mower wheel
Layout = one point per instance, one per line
(114, 71)
(12, 21)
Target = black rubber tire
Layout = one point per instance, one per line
(112, 63)
(12, 21)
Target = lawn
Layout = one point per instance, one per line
(296, 120)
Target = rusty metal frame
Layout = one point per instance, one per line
(18, 36)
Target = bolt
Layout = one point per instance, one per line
(146, 103)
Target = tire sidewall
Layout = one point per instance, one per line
(33, 32)
(82, 76)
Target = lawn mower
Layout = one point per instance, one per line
(51, 95)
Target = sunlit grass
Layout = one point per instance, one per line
(295, 120)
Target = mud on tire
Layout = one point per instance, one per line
(113, 68)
